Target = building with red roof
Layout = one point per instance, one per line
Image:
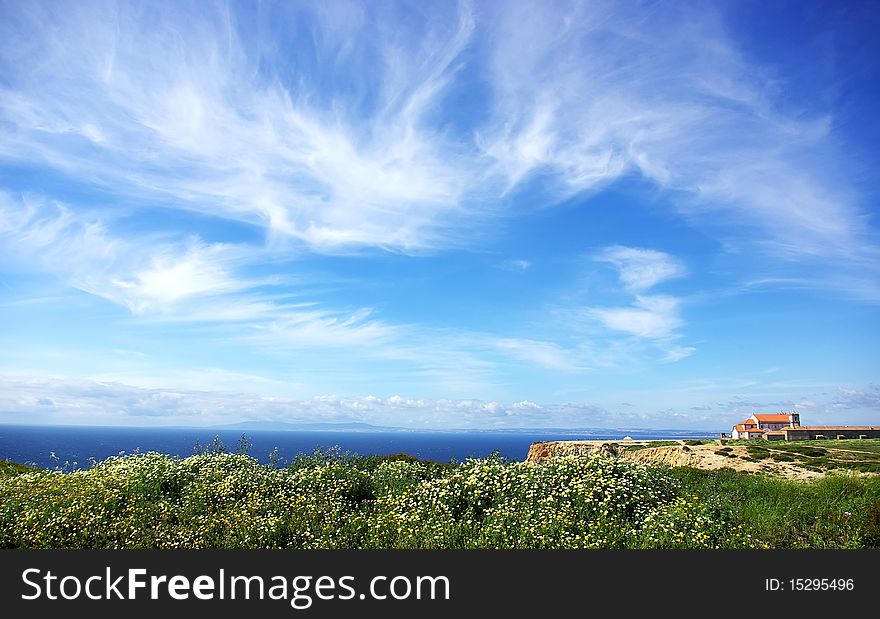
(787, 427)
(759, 423)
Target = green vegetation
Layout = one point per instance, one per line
(836, 511)
(854, 454)
(8, 469)
(756, 452)
(869, 445)
(333, 500)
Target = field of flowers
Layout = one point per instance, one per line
(224, 500)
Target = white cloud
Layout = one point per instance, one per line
(40, 398)
(544, 354)
(50, 399)
(641, 269)
(677, 353)
(186, 282)
(321, 328)
(360, 151)
(148, 274)
(339, 140)
(590, 92)
(652, 317)
(172, 277)
(259, 141)
(858, 398)
(52, 236)
(189, 282)
(526, 404)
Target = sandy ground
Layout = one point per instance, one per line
(705, 457)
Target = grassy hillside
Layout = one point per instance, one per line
(826, 455)
(8, 469)
(836, 511)
(328, 500)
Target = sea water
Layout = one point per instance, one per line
(73, 447)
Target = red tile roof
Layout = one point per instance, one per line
(746, 427)
(771, 418)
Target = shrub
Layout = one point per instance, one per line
(329, 499)
(688, 522)
(569, 502)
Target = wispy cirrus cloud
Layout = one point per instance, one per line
(187, 282)
(641, 269)
(345, 136)
(184, 281)
(651, 317)
(221, 123)
(193, 157)
(589, 92)
(152, 274)
(542, 353)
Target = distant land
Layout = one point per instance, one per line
(356, 426)
(359, 426)
(316, 426)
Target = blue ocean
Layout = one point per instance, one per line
(73, 447)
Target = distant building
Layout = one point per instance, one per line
(811, 433)
(759, 423)
(787, 427)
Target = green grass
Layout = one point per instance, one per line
(864, 467)
(867, 444)
(829, 512)
(797, 448)
(862, 455)
(8, 469)
(335, 500)
(757, 453)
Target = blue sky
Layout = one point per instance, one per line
(439, 215)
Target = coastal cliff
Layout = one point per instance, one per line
(540, 452)
(664, 454)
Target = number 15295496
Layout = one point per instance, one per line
(809, 584)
